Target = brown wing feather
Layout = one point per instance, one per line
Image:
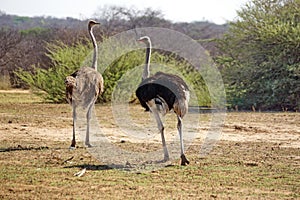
(84, 86)
(70, 83)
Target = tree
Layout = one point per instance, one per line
(260, 61)
(115, 19)
(9, 38)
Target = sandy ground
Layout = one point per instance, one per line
(282, 128)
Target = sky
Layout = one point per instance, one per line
(217, 11)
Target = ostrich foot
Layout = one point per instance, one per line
(166, 158)
(159, 161)
(73, 145)
(72, 148)
(166, 155)
(88, 144)
(184, 160)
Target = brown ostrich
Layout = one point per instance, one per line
(83, 88)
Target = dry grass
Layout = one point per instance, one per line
(34, 140)
(4, 82)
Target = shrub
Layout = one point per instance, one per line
(66, 59)
(261, 56)
(49, 83)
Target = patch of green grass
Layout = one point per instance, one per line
(20, 96)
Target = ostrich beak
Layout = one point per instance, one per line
(144, 39)
(93, 23)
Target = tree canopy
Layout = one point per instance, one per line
(260, 64)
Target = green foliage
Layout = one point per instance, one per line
(117, 69)
(123, 76)
(261, 56)
(49, 83)
(34, 31)
(18, 19)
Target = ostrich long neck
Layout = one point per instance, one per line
(146, 72)
(95, 56)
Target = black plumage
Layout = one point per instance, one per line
(162, 93)
(163, 87)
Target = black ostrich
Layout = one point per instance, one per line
(162, 93)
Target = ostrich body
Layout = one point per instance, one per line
(83, 88)
(162, 93)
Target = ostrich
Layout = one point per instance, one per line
(83, 88)
(161, 93)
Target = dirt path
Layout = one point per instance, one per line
(14, 91)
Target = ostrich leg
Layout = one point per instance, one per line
(184, 160)
(160, 126)
(74, 128)
(88, 118)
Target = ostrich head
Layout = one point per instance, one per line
(92, 23)
(145, 39)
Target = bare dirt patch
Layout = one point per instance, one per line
(14, 91)
(282, 128)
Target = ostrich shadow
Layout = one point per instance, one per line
(90, 167)
(20, 148)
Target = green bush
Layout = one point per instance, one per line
(127, 72)
(49, 83)
(66, 59)
(261, 56)
(36, 31)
